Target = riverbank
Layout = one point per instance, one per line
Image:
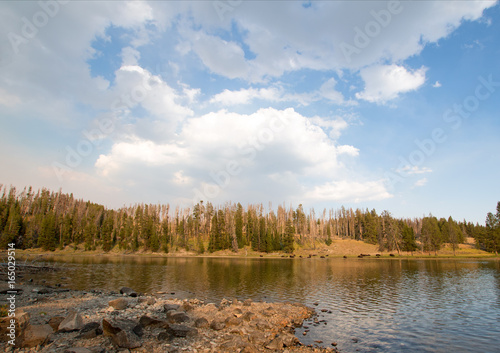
(59, 320)
(338, 248)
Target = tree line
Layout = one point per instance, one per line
(50, 220)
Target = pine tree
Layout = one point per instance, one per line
(238, 224)
(48, 237)
(288, 238)
(214, 243)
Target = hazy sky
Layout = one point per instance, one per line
(386, 105)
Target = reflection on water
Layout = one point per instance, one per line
(374, 305)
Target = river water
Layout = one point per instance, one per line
(370, 305)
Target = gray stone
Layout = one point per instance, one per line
(177, 316)
(72, 322)
(146, 321)
(165, 336)
(122, 333)
(170, 307)
(90, 330)
(182, 331)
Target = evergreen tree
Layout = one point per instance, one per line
(238, 224)
(409, 242)
(289, 237)
(214, 243)
(48, 236)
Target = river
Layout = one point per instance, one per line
(369, 305)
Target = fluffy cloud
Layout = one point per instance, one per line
(386, 82)
(233, 153)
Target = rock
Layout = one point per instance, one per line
(247, 302)
(187, 307)
(128, 291)
(289, 340)
(55, 321)
(72, 322)
(182, 331)
(201, 323)
(122, 333)
(42, 290)
(276, 343)
(148, 301)
(233, 321)
(248, 316)
(35, 335)
(164, 336)
(217, 325)
(21, 323)
(146, 321)
(177, 316)
(249, 349)
(90, 330)
(119, 304)
(170, 307)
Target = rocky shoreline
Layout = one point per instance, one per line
(59, 320)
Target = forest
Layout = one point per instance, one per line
(49, 220)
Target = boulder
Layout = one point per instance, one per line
(90, 330)
(177, 316)
(122, 333)
(35, 335)
(170, 307)
(119, 304)
(217, 325)
(182, 331)
(21, 323)
(275, 344)
(146, 321)
(164, 336)
(72, 322)
(201, 323)
(128, 291)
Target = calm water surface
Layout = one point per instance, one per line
(375, 305)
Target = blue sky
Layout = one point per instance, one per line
(386, 105)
